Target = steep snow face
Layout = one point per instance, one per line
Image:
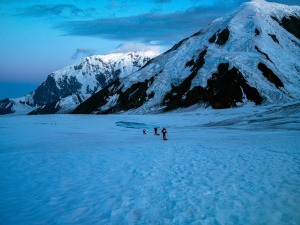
(68, 87)
(250, 55)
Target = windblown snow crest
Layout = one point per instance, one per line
(64, 89)
(250, 55)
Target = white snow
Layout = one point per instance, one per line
(234, 166)
(111, 101)
(69, 103)
(20, 107)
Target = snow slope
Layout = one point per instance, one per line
(251, 54)
(233, 166)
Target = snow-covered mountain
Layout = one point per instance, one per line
(251, 55)
(64, 89)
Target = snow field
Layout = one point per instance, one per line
(216, 168)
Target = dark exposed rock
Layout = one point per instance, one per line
(79, 98)
(97, 100)
(268, 73)
(190, 63)
(257, 32)
(198, 33)
(132, 98)
(220, 38)
(6, 106)
(291, 24)
(199, 62)
(275, 18)
(101, 78)
(117, 73)
(268, 58)
(177, 97)
(176, 46)
(151, 95)
(273, 36)
(68, 86)
(50, 108)
(135, 63)
(296, 43)
(223, 37)
(78, 67)
(105, 79)
(49, 92)
(213, 38)
(46, 92)
(146, 64)
(194, 96)
(226, 88)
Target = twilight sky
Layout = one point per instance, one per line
(41, 36)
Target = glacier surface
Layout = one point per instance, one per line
(233, 166)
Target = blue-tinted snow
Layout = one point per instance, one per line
(135, 125)
(218, 167)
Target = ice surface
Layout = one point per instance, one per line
(234, 166)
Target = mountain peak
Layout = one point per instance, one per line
(116, 56)
(265, 7)
(258, 2)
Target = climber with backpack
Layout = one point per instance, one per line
(164, 132)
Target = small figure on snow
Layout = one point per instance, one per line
(144, 131)
(164, 131)
(155, 131)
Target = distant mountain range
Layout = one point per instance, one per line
(64, 89)
(250, 55)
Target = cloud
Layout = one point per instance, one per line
(138, 47)
(145, 27)
(59, 10)
(121, 4)
(82, 52)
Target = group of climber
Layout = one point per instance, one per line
(163, 131)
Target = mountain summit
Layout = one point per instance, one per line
(250, 55)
